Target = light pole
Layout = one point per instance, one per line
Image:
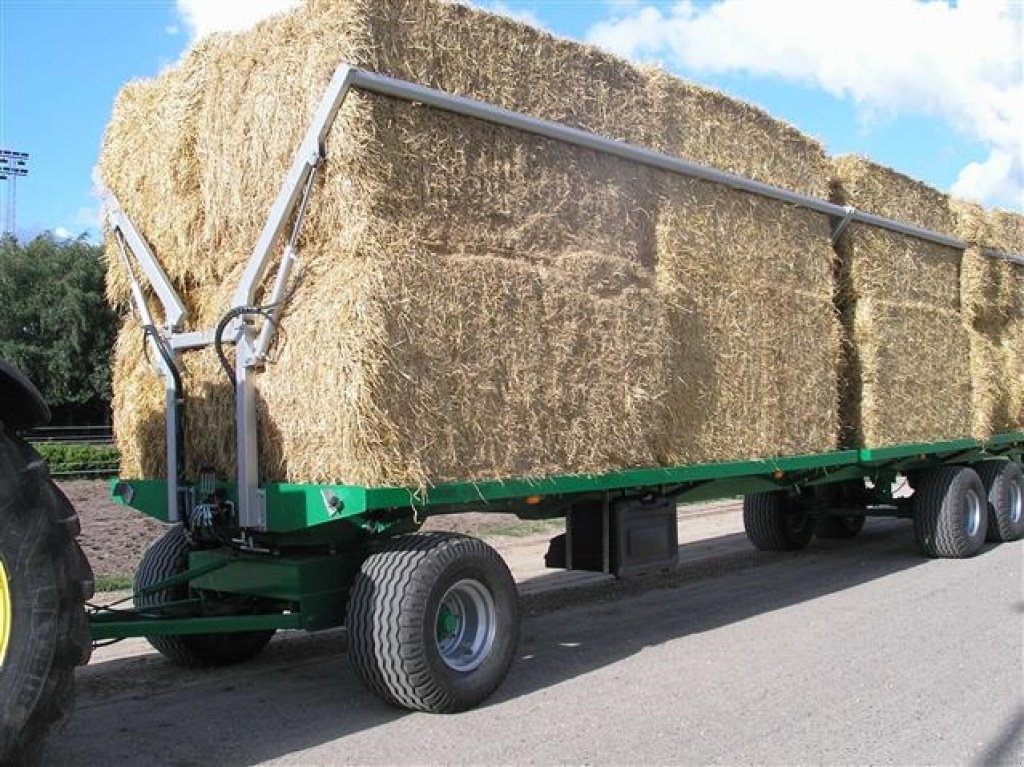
(13, 165)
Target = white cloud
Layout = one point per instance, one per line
(172, 29)
(959, 63)
(1000, 177)
(204, 17)
(61, 233)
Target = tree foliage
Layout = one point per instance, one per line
(54, 322)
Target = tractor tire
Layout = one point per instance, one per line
(166, 557)
(950, 517)
(773, 523)
(45, 580)
(839, 527)
(433, 622)
(1004, 487)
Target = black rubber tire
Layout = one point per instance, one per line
(774, 523)
(393, 614)
(839, 527)
(1004, 488)
(48, 581)
(168, 556)
(942, 511)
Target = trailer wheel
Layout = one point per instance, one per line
(1004, 487)
(433, 622)
(774, 523)
(950, 518)
(44, 582)
(167, 556)
(839, 527)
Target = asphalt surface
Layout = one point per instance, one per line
(851, 652)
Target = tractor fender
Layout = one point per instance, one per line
(21, 404)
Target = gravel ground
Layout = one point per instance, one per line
(113, 537)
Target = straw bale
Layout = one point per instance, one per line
(914, 378)
(1013, 350)
(749, 283)
(992, 301)
(749, 286)
(907, 365)
(422, 226)
(474, 302)
(703, 125)
(154, 172)
(1006, 233)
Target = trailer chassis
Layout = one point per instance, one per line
(259, 557)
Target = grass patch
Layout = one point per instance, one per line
(526, 527)
(68, 460)
(113, 582)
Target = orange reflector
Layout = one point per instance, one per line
(778, 474)
(532, 500)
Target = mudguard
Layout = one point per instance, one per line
(21, 404)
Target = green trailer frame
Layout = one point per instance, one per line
(318, 535)
(251, 557)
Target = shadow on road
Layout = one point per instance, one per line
(301, 693)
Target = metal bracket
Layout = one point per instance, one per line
(840, 227)
(174, 309)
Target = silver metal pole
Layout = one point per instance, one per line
(306, 158)
(170, 381)
(389, 86)
(174, 308)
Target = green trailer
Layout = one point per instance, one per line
(334, 555)
(432, 618)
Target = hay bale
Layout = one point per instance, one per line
(992, 305)
(475, 303)
(907, 370)
(748, 286)
(749, 283)
(1006, 233)
(706, 126)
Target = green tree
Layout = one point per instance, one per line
(54, 322)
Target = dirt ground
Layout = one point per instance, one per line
(115, 537)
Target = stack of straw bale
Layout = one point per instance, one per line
(992, 297)
(748, 281)
(907, 372)
(475, 302)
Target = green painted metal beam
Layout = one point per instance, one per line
(123, 624)
(296, 507)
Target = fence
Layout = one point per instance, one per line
(77, 451)
(77, 435)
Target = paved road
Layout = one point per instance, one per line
(848, 653)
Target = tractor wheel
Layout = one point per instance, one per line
(44, 583)
(774, 523)
(950, 518)
(839, 527)
(1004, 488)
(433, 622)
(166, 557)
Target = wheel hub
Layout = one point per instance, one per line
(1016, 501)
(5, 614)
(973, 509)
(466, 625)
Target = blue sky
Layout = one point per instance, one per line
(930, 88)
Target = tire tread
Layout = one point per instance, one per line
(384, 633)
